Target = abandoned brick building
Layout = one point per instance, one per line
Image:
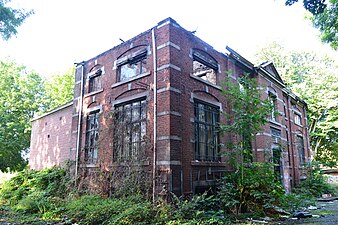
(156, 99)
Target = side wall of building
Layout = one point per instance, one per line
(50, 139)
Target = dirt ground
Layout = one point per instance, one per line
(326, 214)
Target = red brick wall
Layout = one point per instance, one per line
(176, 91)
(50, 140)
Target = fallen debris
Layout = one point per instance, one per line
(302, 215)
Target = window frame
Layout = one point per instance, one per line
(139, 57)
(125, 128)
(276, 150)
(274, 111)
(95, 78)
(92, 137)
(204, 59)
(300, 149)
(298, 119)
(207, 126)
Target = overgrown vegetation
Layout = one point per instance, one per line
(48, 196)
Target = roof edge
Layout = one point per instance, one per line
(53, 110)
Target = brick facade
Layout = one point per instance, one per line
(118, 81)
(50, 140)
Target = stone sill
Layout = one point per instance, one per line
(210, 164)
(93, 93)
(131, 79)
(206, 82)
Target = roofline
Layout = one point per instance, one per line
(259, 68)
(240, 58)
(53, 110)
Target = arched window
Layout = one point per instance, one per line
(132, 63)
(94, 78)
(204, 66)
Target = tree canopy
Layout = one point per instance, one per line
(23, 94)
(59, 89)
(324, 17)
(11, 19)
(313, 78)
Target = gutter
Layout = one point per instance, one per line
(78, 140)
(155, 112)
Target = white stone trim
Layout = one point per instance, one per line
(169, 43)
(169, 66)
(130, 98)
(168, 163)
(168, 89)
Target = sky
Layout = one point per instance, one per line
(62, 32)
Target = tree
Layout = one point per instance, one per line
(248, 114)
(313, 78)
(324, 17)
(252, 186)
(10, 19)
(21, 93)
(59, 89)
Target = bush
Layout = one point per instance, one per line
(35, 191)
(315, 185)
(252, 188)
(97, 210)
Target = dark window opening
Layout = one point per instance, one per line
(300, 149)
(276, 153)
(92, 137)
(130, 131)
(206, 132)
(95, 81)
(273, 102)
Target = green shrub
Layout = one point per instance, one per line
(252, 188)
(315, 185)
(97, 210)
(35, 191)
(293, 202)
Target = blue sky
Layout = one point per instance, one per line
(62, 32)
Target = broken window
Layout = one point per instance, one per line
(273, 102)
(95, 81)
(300, 149)
(132, 66)
(298, 119)
(276, 152)
(92, 137)
(204, 66)
(130, 130)
(206, 132)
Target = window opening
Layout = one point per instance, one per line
(95, 81)
(204, 66)
(273, 101)
(276, 153)
(298, 119)
(92, 137)
(130, 130)
(300, 149)
(206, 132)
(133, 67)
